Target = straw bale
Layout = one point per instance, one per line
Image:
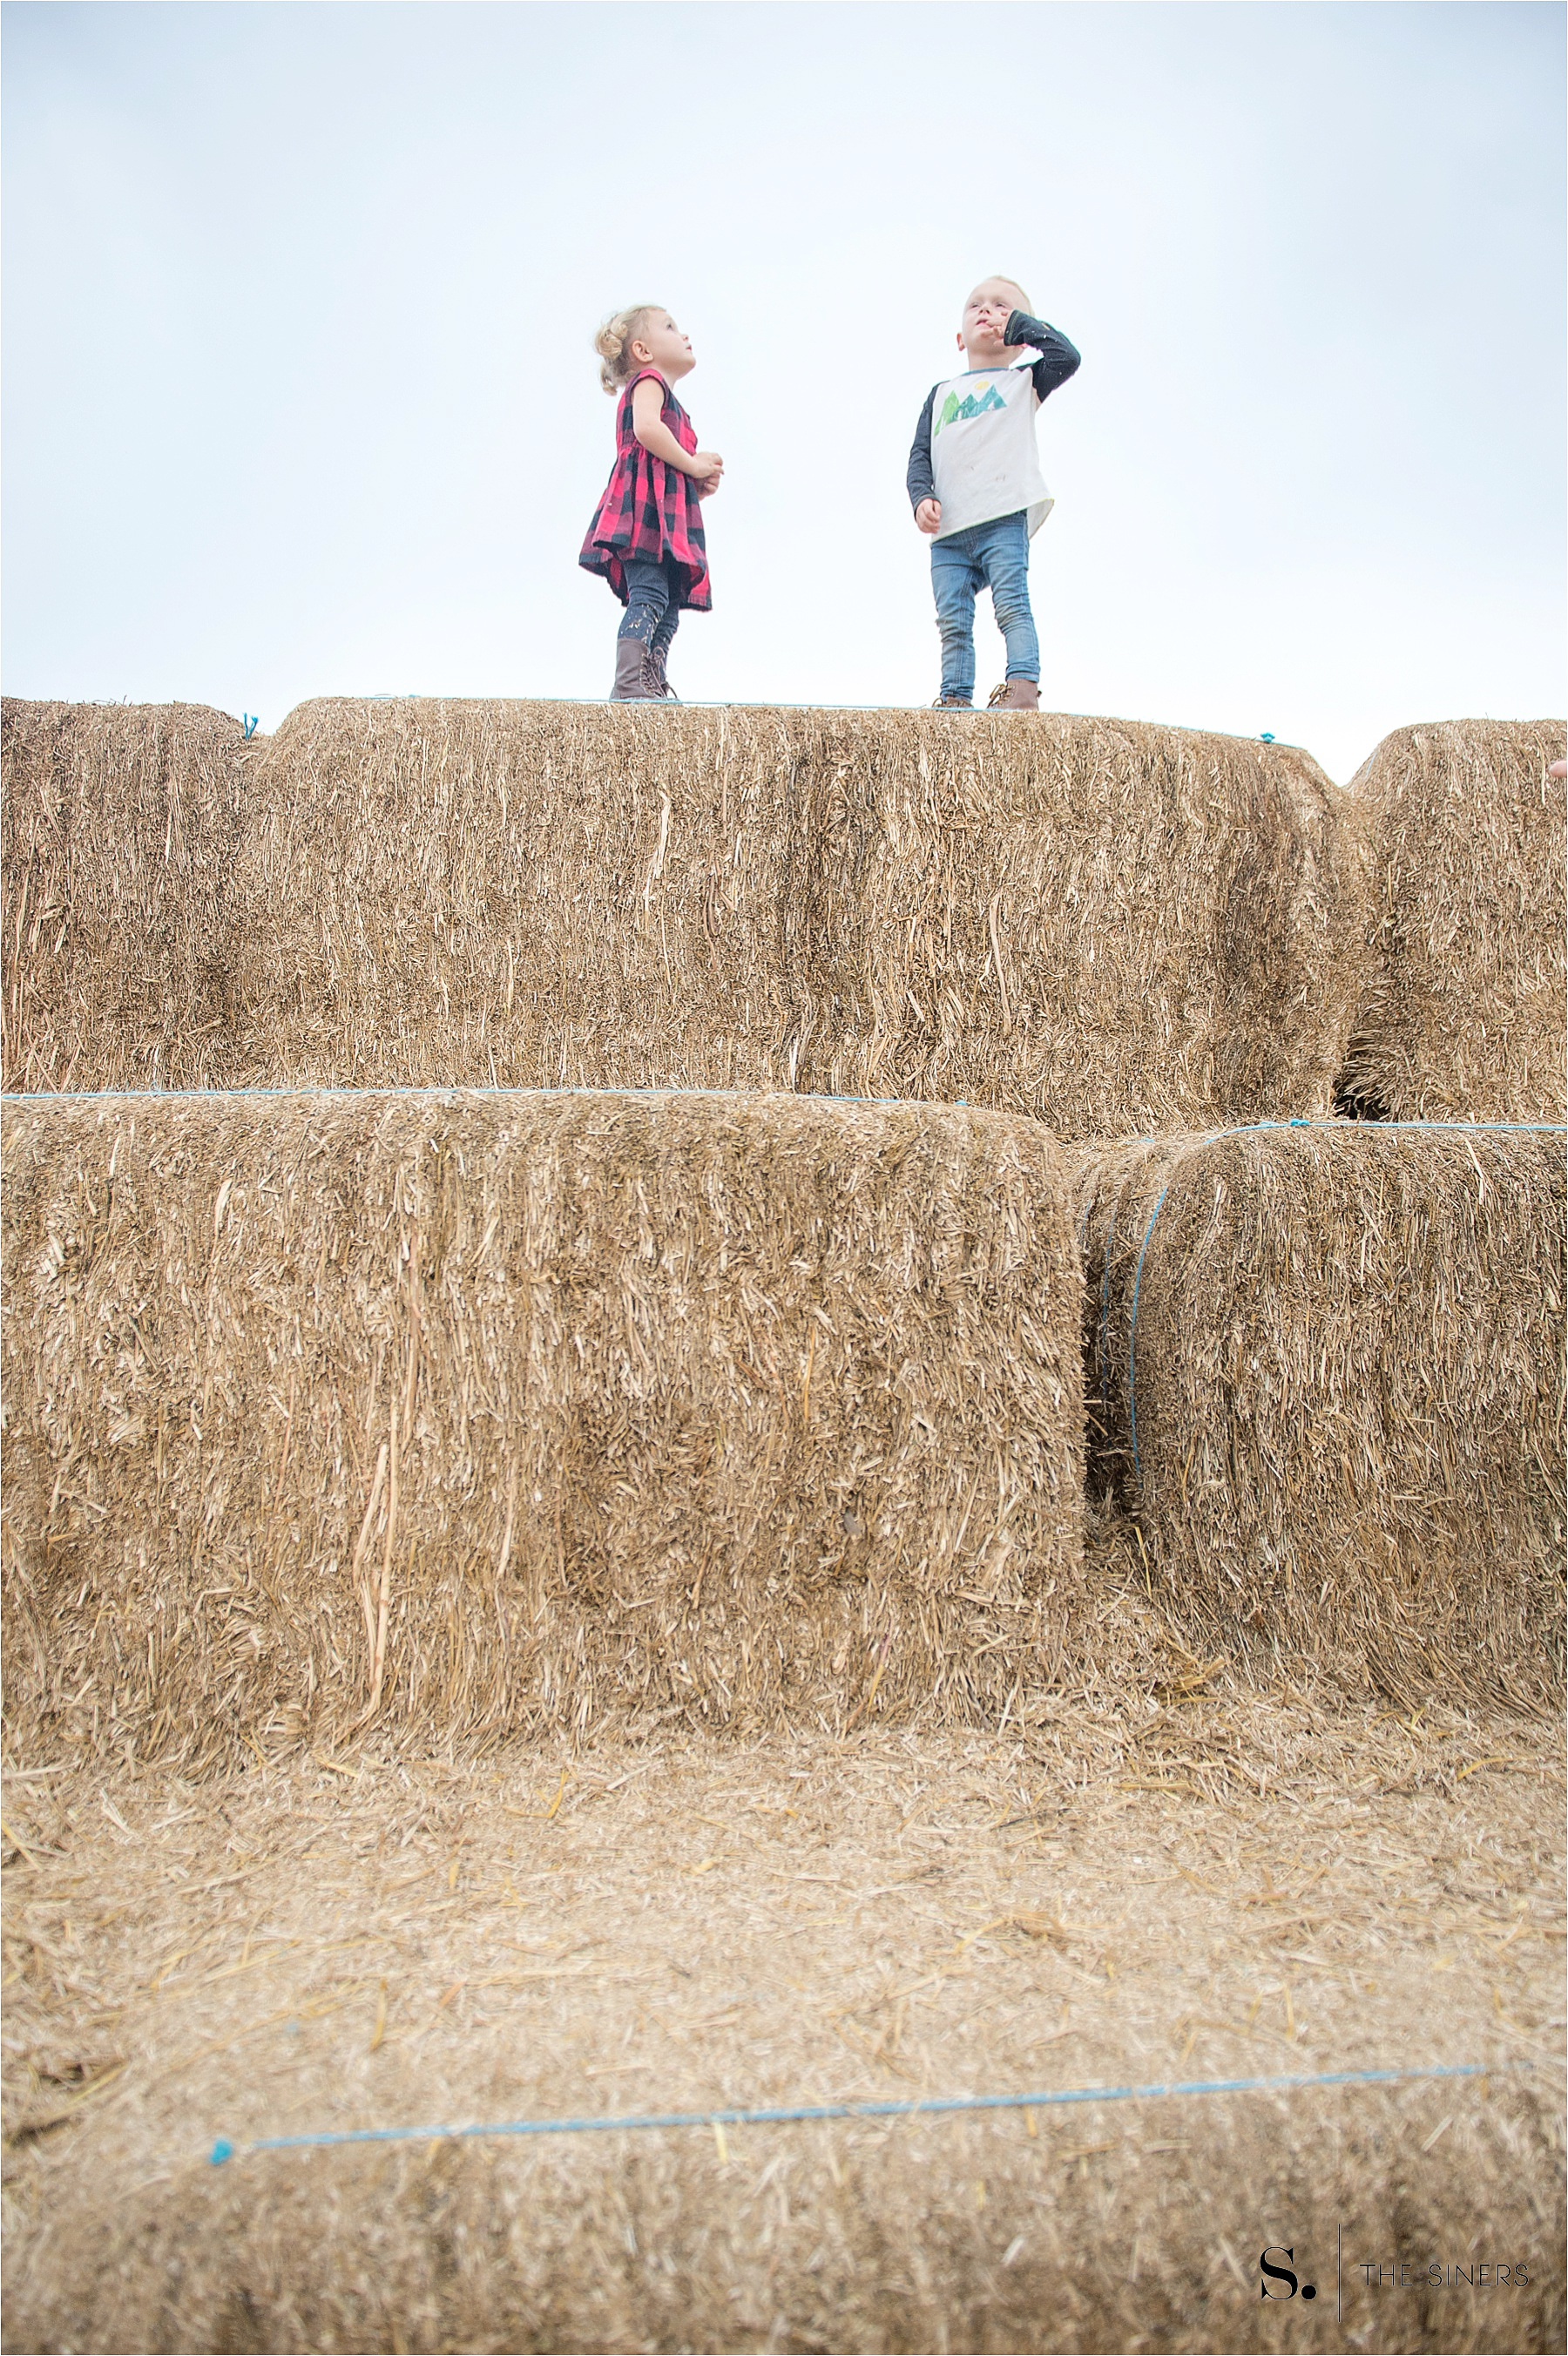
(687, 1925)
(118, 828)
(1464, 1005)
(1324, 1368)
(461, 1414)
(1099, 923)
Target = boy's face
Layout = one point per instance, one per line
(985, 317)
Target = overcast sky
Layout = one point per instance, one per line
(300, 397)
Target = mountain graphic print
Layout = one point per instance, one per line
(953, 408)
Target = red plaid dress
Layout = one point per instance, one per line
(650, 509)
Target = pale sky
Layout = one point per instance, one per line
(300, 397)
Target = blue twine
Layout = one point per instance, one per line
(1250, 1129)
(923, 2107)
(1105, 1324)
(442, 1088)
(675, 1088)
(252, 722)
(1133, 1334)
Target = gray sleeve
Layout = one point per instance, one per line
(920, 481)
(1058, 359)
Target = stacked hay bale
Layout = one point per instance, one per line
(1464, 1004)
(372, 1419)
(690, 1929)
(1097, 924)
(1325, 1373)
(118, 829)
(465, 1416)
(1102, 925)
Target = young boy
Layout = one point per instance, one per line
(975, 487)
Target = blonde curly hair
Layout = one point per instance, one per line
(614, 340)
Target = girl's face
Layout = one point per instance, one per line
(661, 344)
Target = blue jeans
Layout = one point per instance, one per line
(992, 556)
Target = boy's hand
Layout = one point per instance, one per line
(928, 515)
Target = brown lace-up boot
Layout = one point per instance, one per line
(632, 682)
(1016, 695)
(656, 679)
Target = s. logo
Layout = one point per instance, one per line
(1285, 2275)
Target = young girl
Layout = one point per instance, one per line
(646, 537)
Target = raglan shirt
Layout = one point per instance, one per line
(975, 446)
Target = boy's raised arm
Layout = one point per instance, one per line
(1058, 359)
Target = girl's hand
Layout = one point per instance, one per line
(706, 490)
(707, 466)
(928, 515)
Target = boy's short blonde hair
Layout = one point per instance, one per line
(614, 340)
(1000, 278)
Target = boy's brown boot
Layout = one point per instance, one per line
(952, 703)
(1016, 695)
(632, 685)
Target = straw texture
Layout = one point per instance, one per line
(462, 1416)
(1347, 1380)
(693, 1925)
(1464, 1007)
(118, 828)
(1102, 924)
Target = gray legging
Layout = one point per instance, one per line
(652, 616)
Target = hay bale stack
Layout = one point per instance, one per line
(693, 1928)
(458, 1417)
(118, 829)
(1101, 924)
(1466, 1000)
(1325, 1371)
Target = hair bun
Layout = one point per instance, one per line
(614, 339)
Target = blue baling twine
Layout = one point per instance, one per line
(1133, 1334)
(931, 2106)
(1104, 1325)
(1372, 1128)
(443, 1088)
